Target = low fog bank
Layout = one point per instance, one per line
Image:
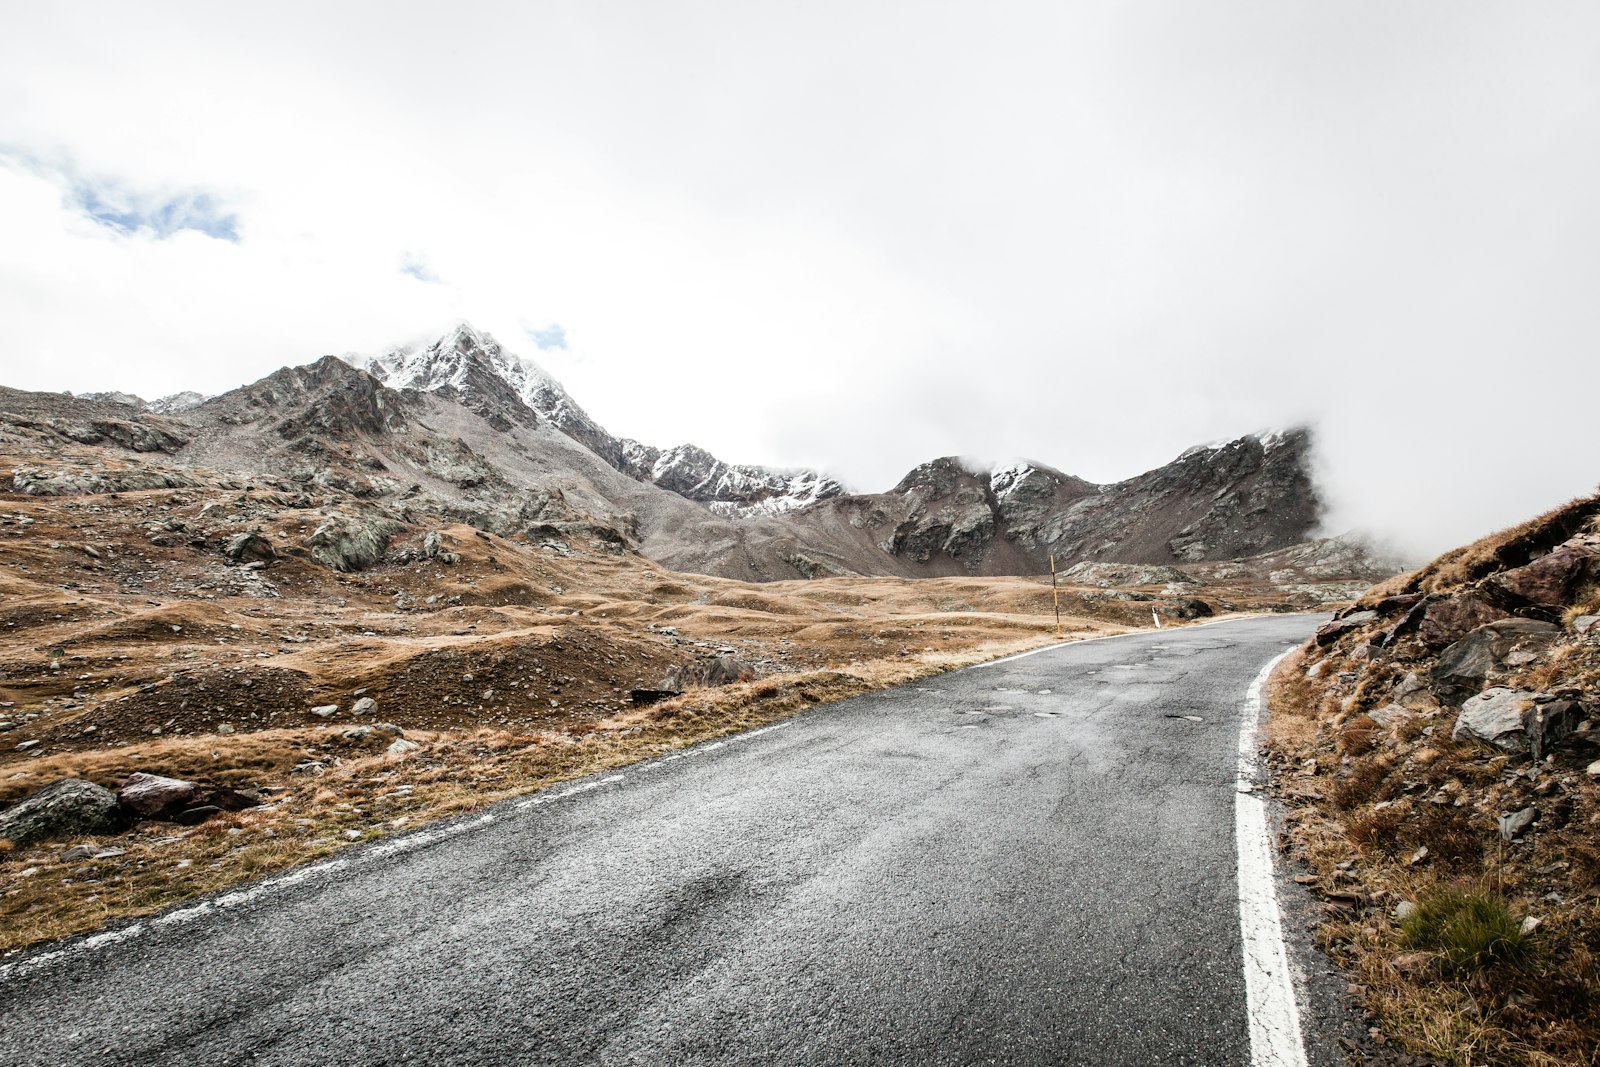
(1420, 486)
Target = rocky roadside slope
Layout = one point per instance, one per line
(1439, 745)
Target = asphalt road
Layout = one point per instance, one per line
(1027, 863)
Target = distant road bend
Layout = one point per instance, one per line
(1030, 862)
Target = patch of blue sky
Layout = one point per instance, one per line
(123, 209)
(162, 216)
(547, 337)
(417, 268)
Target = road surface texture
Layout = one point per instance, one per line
(1030, 862)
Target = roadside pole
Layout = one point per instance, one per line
(1055, 594)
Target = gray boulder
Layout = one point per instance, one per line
(351, 544)
(1413, 694)
(69, 807)
(722, 670)
(1465, 666)
(1330, 632)
(1552, 722)
(155, 797)
(1446, 620)
(1498, 716)
(1390, 715)
(250, 547)
(1513, 823)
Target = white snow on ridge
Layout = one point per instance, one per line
(1005, 479)
(442, 364)
(1270, 439)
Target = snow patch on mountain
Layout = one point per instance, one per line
(727, 488)
(448, 362)
(171, 405)
(167, 405)
(1005, 480)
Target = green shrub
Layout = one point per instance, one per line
(1469, 929)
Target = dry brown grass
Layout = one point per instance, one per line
(1298, 704)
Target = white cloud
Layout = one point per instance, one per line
(859, 237)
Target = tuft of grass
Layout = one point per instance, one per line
(1364, 783)
(1469, 929)
(1374, 830)
(1360, 736)
(1449, 836)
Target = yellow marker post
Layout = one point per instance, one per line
(1055, 594)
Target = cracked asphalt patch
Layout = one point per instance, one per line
(878, 883)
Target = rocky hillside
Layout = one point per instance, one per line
(207, 675)
(468, 430)
(1240, 499)
(1441, 745)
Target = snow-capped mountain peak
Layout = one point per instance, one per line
(496, 382)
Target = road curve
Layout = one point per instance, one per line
(1030, 862)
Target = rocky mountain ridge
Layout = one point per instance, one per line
(464, 429)
(166, 405)
(1009, 520)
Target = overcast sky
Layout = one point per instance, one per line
(857, 235)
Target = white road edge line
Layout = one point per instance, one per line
(408, 843)
(1275, 1039)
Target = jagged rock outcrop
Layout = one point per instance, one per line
(351, 543)
(327, 397)
(133, 436)
(1464, 667)
(726, 488)
(466, 365)
(1246, 497)
(167, 405)
(114, 397)
(176, 402)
